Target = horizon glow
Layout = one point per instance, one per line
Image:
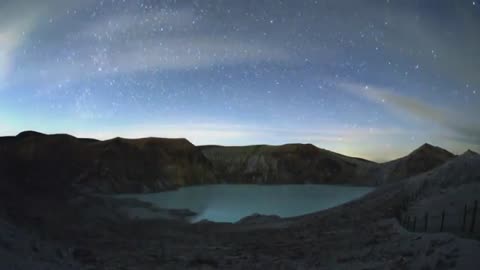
(373, 79)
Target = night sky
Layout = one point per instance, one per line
(374, 79)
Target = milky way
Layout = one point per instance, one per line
(368, 78)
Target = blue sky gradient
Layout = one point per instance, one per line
(367, 78)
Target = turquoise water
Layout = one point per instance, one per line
(230, 203)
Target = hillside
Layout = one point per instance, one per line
(291, 163)
(56, 162)
(305, 163)
(59, 162)
(423, 159)
(448, 188)
(80, 231)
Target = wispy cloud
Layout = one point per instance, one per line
(18, 19)
(123, 24)
(12, 34)
(188, 54)
(461, 128)
(159, 40)
(8, 42)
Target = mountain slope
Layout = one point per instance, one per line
(423, 159)
(291, 163)
(59, 162)
(118, 165)
(305, 163)
(448, 189)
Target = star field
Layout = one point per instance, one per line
(368, 78)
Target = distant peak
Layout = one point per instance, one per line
(29, 133)
(427, 148)
(424, 147)
(470, 152)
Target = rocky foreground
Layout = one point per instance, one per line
(44, 225)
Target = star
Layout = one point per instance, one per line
(268, 72)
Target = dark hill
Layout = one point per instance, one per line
(39, 161)
(423, 159)
(55, 163)
(290, 163)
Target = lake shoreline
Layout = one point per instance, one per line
(231, 203)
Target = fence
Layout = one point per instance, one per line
(466, 224)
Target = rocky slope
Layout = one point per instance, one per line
(56, 162)
(363, 234)
(305, 163)
(291, 163)
(453, 183)
(423, 159)
(448, 189)
(52, 230)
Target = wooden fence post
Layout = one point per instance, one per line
(464, 218)
(443, 219)
(474, 214)
(426, 221)
(414, 223)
